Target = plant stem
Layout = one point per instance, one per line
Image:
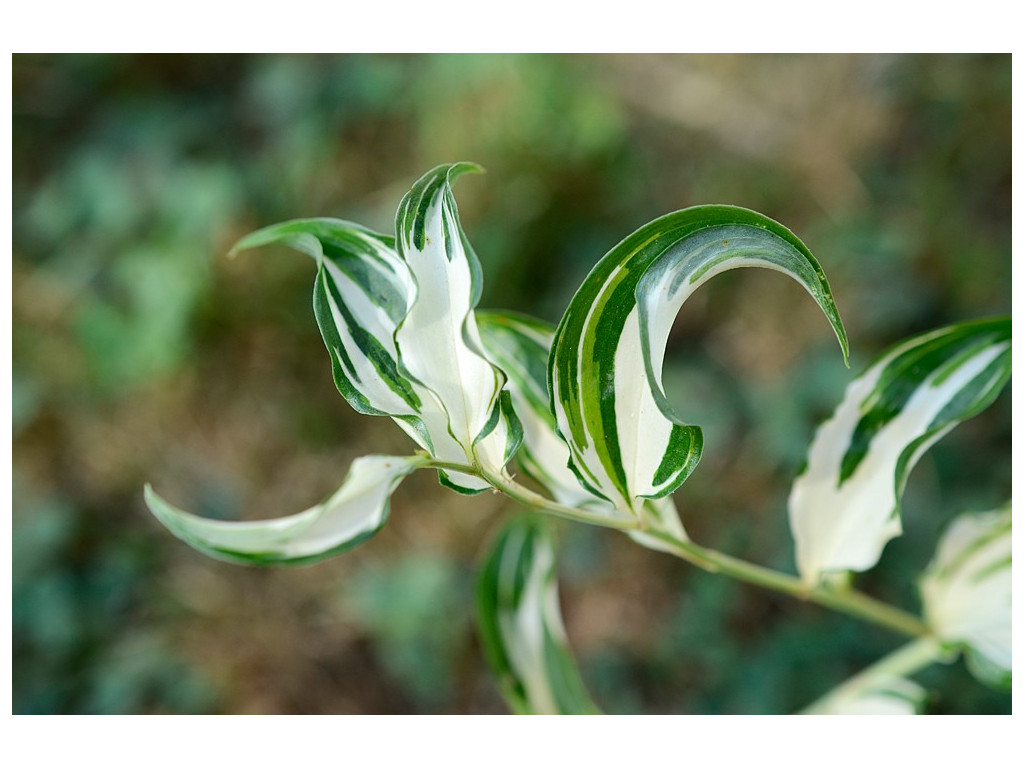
(901, 663)
(524, 495)
(531, 498)
(845, 600)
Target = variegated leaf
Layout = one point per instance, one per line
(353, 514)
(521, 624)
(844, 506)
(966, 592)
(362, 292)
(626, 441)
(365, 291)
(438, 341)
(520, 346)
(889, 696)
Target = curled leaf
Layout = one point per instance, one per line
(354, 513)
(626, 442)
(362, 292)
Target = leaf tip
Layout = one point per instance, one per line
(243, 244)
(840, 330)
(157, 506)
(463, 166)
(148, 494)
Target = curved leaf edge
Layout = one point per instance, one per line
(685, 445)
(180, 522)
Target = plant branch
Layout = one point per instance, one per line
(531, 498)
(841, 599)
(847, 601)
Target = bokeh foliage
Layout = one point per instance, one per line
(142, 353)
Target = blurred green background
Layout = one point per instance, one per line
(142, 354)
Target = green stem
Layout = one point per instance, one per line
(531, 498)
(524, 495)
(845, 600)
(899, 664)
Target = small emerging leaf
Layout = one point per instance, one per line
(626, 441)
(353, 514)
(844, 507)
(521, 625)
(890, 696)
(967, 592)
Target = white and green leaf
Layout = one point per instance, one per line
(884, 696)
(966, 592)
(845, 505)
(399, 326)
(521, 625)
(438, 340)
(354, 513)
(520, 346)
(627, 443)
(362, 292)
(894, 695)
